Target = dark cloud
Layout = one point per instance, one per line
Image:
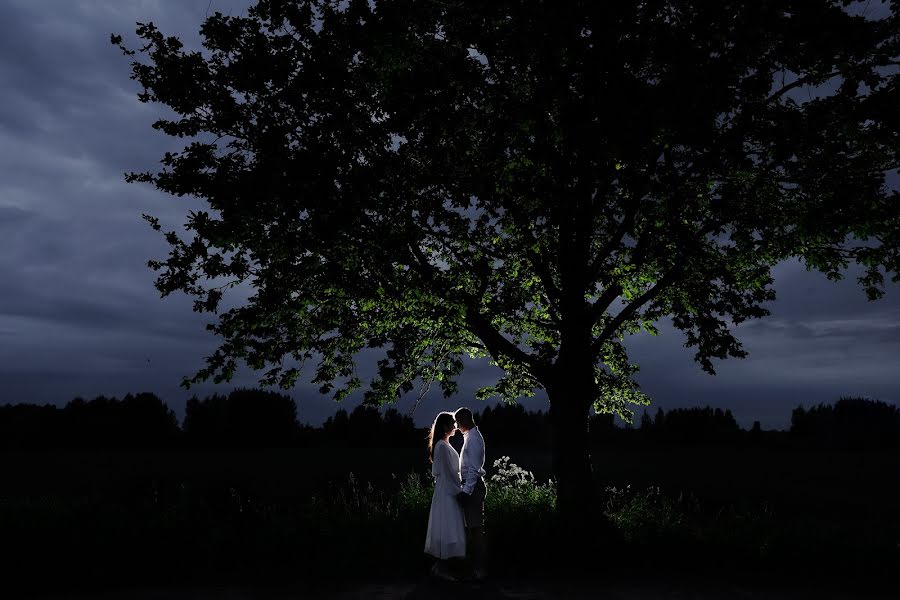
(79, 315)
(823, 340)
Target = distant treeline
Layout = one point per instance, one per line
(261, 418)
(245, 418)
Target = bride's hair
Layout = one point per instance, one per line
(442, 425)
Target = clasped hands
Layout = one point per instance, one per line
(463, 498)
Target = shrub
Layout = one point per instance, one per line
(514, 492)
(643, 515)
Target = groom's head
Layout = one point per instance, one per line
(464, 419)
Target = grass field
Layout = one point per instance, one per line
(177, 515)
(792, 480)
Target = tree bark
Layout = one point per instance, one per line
(571, 458)
(570, 402)
(570, 387)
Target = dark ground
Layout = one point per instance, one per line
(505, 589)
(846, 492)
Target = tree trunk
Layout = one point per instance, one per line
(571, 389)
(576, 494)
(571, 458)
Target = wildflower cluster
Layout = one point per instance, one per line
(513, 490)
(510, 474)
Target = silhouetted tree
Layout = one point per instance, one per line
(205, 421)
(755, 434)
(511, 426)
(146, 421)
(602, 427)
(141, 420)
(336, 429)
(400, 430)
(505, 425)
(699, 425)
(244, 418)
(263, 418)
(526, 181)
(365, 427)
(851, 423)
(31, 426)
(646, 424)
(659, 420)
(90, 423)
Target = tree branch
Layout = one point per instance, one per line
(498, 346)
(798, 83)
(613, 290)
(632, 308)
(809, 78)
(651, 293)
(493, 340)
(541, 266)
(614, 240)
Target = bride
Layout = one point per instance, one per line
(446, 537)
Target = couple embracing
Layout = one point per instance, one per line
(456, 520)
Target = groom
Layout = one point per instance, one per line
(471, 470)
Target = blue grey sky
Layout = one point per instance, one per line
(79, 315)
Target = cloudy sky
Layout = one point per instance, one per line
(79, 315)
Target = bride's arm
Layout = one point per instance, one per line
(450, 467)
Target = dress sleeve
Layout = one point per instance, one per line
(436, 461)
(451, 466)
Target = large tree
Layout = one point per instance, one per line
(529, 182)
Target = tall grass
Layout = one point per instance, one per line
(175, 531)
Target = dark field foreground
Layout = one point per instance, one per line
(291, 523)
(793, 479)
(518, 589)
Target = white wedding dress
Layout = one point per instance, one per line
(446, 535)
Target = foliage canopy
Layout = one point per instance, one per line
(525, 181)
